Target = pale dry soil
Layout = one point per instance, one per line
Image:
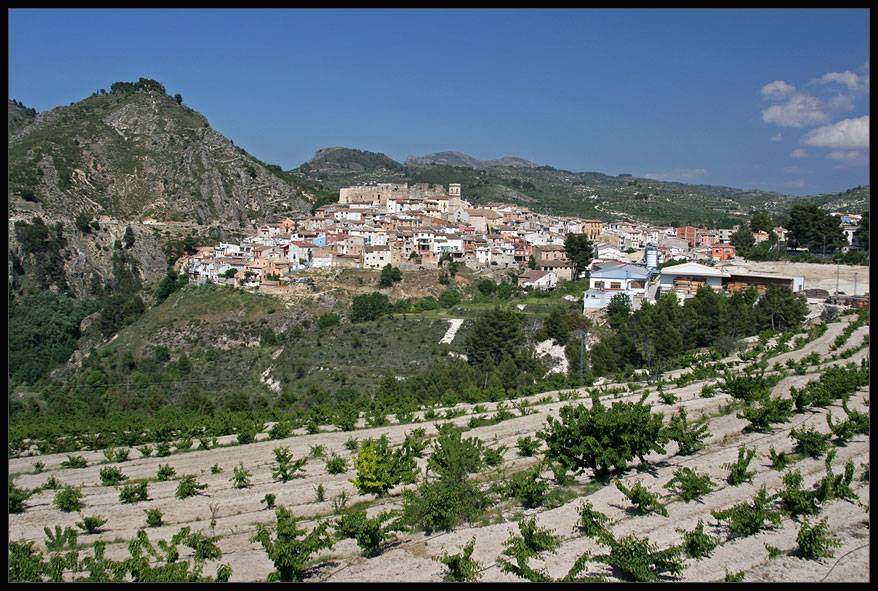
(238, 511)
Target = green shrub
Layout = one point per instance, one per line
(292, 547)
(189, 487)
(286, 467)
(91, 525)
(240, 476)
(280, 430)
(111, 476)
(16, 497)
(592, 523)
(689, 437)
(60, 539)
(773, 551)
(698, 544)
(527, 446)
(689, 484)
(645, 501)
(668, 397)
(737, 577)
(816, 541)
(454, 456)
(493, 456)
(352, 444)
(531, 542)
(145, 450)
(134, 493)
(74, 462)
(68, 499)
(810, 442)
(153, 518)
(639, 560)
(379, 469)
(738, 473)
(165, 472)
(443, 504)
(39, 467)
(762, 413)
(602, 438)
(746, 519)
(336, 465)
(163, 449)
(216, 469)
(779, 461)
(317, 451)
(371, 534)
(268, 500)
(461, 567)
(529, 487)
(328, 320)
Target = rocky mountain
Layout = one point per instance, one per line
(136, 152)
(461, 159)
(114, 159)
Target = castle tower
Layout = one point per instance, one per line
(454, 190)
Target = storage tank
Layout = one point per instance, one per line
(651, 257)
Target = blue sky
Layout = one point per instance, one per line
(769, 99)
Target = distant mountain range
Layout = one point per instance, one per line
(461, 159)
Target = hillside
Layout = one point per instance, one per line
(19, 117)
(135, 152)
(461, 159)
(544, 188)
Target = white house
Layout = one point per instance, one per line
(609, 280)
(542, 280)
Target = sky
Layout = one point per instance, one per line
(770, 99)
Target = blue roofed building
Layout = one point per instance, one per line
(609, 280)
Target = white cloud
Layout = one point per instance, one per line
(798, 111)
(678, 174)
(847, 133)
(777, 90)
(799, 153)
(777, 137)
(847, 78)
(853, 155)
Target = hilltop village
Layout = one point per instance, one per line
(420, 226)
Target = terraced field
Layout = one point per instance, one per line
(236, 512)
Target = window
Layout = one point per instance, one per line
(615, 285)
(599, 284)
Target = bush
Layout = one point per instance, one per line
(379, 469)
(592, 523)
(527, 446)
(291, 548)
(369, 307)
(738, 473)
(16, 497)
(603, 438)
(762, 413)
(336, 465)
(352, 444)
(371, 534)
(280, 430)
(797, 501)
(59, 539)
(163, 449)
(269, 500)
(810, 442)
(145, 450)
(746, 519)
(165, 472)
(529, 487)
(639, 560)
(286, 466)
(461, 567)
(134, 493)
(531, 542)
(443, 504)
(328, 320)
(779, 461)
(688, 437)
(216, 469)
(689, 484)
(68, 499)
(189, 487)
(91, 525)
(816, 541)
(493, 456)
(74, 462)
(698, 544)
(240, 477)
(153, 518)
(645, 501)
(454, 456)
